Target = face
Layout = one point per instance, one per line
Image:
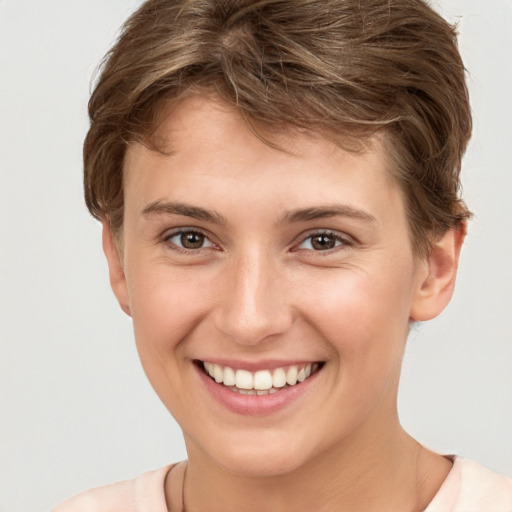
(271, 290)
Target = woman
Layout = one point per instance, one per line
(278, 183)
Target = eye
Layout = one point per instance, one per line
(189, 240)
(323, 242)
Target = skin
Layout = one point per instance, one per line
(259, 290)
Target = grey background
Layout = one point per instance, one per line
(75, 408)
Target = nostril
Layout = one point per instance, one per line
(252, 329)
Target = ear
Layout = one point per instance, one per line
(437, 282)
(115, 268)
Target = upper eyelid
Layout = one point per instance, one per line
(332, 232)
(172, 232)
(347, 242)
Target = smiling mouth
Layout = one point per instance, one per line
(262, 382)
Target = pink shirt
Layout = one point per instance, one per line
(469, 487)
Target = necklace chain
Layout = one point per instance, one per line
(183, 507)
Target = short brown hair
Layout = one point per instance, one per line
(346, 67)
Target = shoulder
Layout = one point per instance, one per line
(125, 496)
(471, 487)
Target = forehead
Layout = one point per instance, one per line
(206, 145)
(197, 121)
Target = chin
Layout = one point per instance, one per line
(260, 458)
(258, 465)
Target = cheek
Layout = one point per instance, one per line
(165, 305)
(362, 314)
(166, 309)
(363, 318)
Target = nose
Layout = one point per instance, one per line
(253, 306)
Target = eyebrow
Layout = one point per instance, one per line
(324, 212)
(292, 216)
(187, 210)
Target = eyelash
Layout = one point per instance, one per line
(187, 231)
(339, 241)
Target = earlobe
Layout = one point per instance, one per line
(435, 287)
(115, 268)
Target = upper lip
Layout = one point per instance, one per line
(254, 366)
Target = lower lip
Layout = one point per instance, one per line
(256, 405)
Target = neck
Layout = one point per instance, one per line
(389, 471)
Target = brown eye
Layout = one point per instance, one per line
(323, 242)
(188, 240)
(192, 240)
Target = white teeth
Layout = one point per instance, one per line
(229, 376)
(291, 375)
(262, 382)
(218, 374)
(244, 380)
(279, 378)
